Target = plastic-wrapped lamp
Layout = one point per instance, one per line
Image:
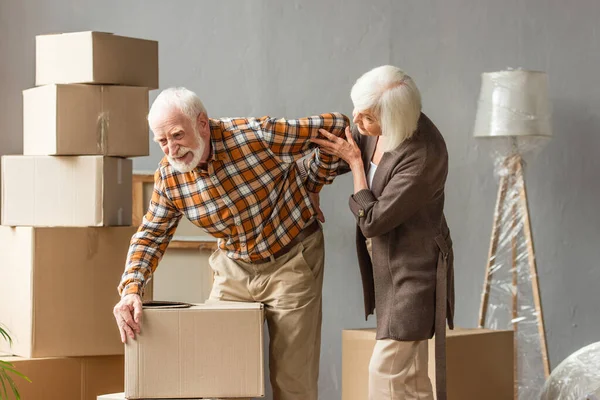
(514, 106)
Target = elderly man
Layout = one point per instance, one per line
(238, 180)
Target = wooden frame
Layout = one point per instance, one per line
(520, 210)
(138, 210)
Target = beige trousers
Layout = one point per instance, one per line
(290, 288)
(399, 370)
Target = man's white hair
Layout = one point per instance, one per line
(393, 97)
(178, 98)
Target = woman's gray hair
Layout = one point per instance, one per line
(178, 98)
(393, 97)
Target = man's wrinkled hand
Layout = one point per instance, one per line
(316, 203)
(128, 314)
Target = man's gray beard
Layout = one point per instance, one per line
(197, 156)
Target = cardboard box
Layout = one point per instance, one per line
(66, 191)
(96, 57)
(58, 289)
(210, 350)
(68, 378)
(479, 364)
(85, 120)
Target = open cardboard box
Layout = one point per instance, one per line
(184, 350)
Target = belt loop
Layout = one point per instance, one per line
(272, 258)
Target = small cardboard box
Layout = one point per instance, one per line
(66, 191)
(96, 57)
(58, 287)
(479, 364)
(85, 120)
(203, 351)
(67, 378)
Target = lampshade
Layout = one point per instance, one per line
(513, 103)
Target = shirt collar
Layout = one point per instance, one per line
(217, 147)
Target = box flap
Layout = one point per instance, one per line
(155, 304)
(221, 305)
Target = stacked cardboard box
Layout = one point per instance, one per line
(66, 211)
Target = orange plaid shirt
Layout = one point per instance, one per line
(252, 197)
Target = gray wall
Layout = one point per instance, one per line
(296, 58)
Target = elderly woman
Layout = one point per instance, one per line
(399, 164)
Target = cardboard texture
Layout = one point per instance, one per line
(58, 289)
(479, 364)
(85, 120)
(210, 350)
(66, 191)
(96, 57)
(68, 378)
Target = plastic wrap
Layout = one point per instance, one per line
(577, 377)
(514, 111)
(511, 294)
(513, 103)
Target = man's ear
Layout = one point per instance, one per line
(202, 120)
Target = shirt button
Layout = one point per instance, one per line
(238, 223)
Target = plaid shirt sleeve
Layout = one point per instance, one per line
(289, 139)
(149, 243)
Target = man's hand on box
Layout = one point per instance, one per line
(128, 313)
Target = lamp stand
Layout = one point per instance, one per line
(513, 181)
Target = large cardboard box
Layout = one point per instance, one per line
(210, 350)
(58, 287)
(96, 57)
(66, 191)
(85, 120)
(479, 364)
(82, 378)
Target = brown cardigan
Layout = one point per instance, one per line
(410, 280)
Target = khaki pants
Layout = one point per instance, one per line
(290, 288)
(399, 370)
